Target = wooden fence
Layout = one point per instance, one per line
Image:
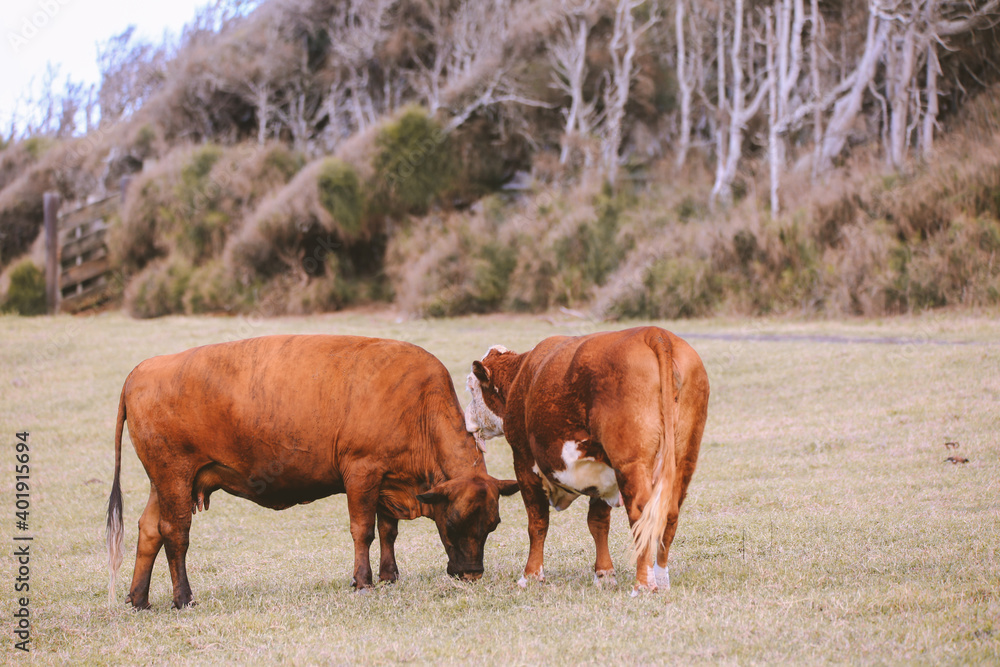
(78, 272)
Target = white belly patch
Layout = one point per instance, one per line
(586, 475)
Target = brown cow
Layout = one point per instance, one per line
(284, 420)
(614, 416)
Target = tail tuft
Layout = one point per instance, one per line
(114, 538)
(115, 530)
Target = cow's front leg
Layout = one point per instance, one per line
(536, 504)
(362, 497)
(388, 529)
(599, 522)
(636, 488)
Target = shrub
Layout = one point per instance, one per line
(340, 194)
(37, 146)
(142, 141)
(191, 202)
(159, 289)
(333, 291)
(320, 211)
(212, 289)
(136, 238)
(22, 211)
(26, 294)
(280, 163)
(414, 162)
(668, 287)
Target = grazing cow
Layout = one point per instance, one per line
(613, 416)
(284, 420)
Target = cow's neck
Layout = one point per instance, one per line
(462, 460)
(505, 369)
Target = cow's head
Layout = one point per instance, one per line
(467, 510)
(485, 413)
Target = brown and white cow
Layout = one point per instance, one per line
(284, 420)
(614, 416)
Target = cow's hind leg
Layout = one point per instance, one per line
(388, 529)
(636, 488)
(599, 522)
(146, 551)
(175, 530)
(693, 412)
(660, 571)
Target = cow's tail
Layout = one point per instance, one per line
(115, 529)
(647, 533)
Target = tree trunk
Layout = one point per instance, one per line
(847, 108)
(774, 149)
(901, 86)
(931, 91)
(684, 86)
(814, 38)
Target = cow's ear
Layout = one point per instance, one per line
(481, 372)
(433, 496)
(508, 487)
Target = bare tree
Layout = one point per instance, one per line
(785, 58)
(568, 56)
(903, 36)
(775, 146)
(946, 19)
(355, 31)
(848, 104)
(299, 114)
(131, 70)
(430, 80)
(746, 94)
(262, 66)
(900, 69)
(685, 84)
(624, 42)
(814, 79)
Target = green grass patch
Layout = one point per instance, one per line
(822, 523)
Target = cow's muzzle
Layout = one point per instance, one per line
(466, 573)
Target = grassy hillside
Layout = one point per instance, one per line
(314, 155)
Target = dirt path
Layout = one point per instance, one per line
(828, 338)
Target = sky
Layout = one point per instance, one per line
(66, 33)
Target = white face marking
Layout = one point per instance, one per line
(583, 473)
(479, 419)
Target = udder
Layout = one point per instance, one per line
(583, 474)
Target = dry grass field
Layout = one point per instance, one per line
(822, 525)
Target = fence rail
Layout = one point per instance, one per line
(79, 272)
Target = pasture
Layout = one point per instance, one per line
(822, 523)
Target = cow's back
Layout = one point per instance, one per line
(580, 379)
(297, 408)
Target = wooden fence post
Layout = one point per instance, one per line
(51, 202)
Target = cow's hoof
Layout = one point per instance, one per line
(138, 605)
(639, 589)
(184, 605)
(605, 578)
(527, 578)
(662, 577)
